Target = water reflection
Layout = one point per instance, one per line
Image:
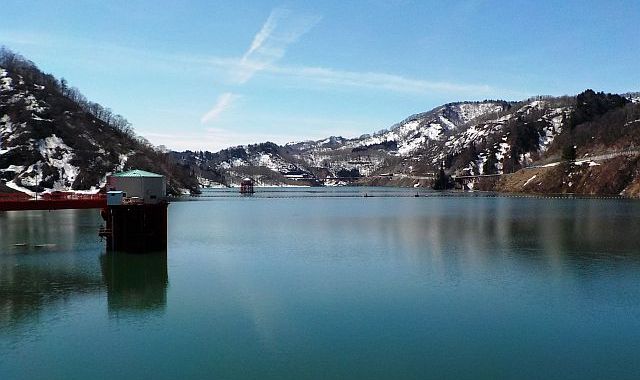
(49, 261)
(31, 286)
(135, 283)
(458, 234)
(33, 229)
(34, 284)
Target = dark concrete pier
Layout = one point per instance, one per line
(136, 213)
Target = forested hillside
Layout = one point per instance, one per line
(53, 138)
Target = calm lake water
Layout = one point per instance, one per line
(322, 283)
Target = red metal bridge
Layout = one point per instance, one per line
(51, 201)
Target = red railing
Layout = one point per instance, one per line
(71, 196)
(55, 196)
(51, 201)
(14, 197)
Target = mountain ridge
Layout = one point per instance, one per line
(468, 138)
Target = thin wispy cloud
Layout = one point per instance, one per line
(224, 101)
(282, 28)
(310, 76)
(375, 80)
(22, 38)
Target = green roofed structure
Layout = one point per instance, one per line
(137, 173)
(139, 184)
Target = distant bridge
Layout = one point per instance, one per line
(466, 179)
(599, 157)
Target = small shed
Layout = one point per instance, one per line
(147, 186)
(114, 198)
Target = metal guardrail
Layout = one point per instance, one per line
(599, 157)
(543, 164)
(21, 197)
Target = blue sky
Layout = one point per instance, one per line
(211, 74)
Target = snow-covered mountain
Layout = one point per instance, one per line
(468, 138)
(53, 139)
(407, 139)
(417, 144)
(266, 163)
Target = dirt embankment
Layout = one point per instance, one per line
(613, 177)
(617, 176)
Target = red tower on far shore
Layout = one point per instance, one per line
(246, 186)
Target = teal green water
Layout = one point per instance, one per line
(324, 284)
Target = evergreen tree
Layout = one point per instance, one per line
(590, 104)
(569, 152)
(443, 181)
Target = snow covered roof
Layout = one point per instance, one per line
(137, 173)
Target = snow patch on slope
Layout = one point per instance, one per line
(529, 180)
(470, 111)
(15, 186)
(554, 127)
(5, 81)
(59, 155)
(503, 148)
(266, 160)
